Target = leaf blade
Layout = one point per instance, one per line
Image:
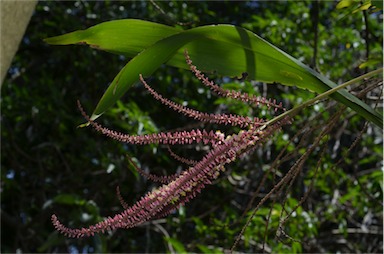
(240, 51)
(119, 36)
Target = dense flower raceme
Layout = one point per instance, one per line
(179, 189)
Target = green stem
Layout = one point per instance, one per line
(296, 109)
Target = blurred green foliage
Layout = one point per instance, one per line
(51, 166)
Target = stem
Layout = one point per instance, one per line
(296, 109)
(315, 27)
(366, 34)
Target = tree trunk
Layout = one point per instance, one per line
(15, 16)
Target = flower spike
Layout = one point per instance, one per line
(233, 120)
(244, 97)
(171, 138)
(180, 188)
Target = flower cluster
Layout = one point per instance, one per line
(244, 97)
(179, 189)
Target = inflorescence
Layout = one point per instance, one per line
(180, 189)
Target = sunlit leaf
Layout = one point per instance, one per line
(205, 249)
(372, 62)
(363, 7)
(225, 49)
(179, 248)
(126, 37)
(356, 6)
(344, 4)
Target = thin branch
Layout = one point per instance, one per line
(296, 109)
(152, 177)
(366, 33)
(157, 7)
(315, 26)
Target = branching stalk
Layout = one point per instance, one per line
(296, 109)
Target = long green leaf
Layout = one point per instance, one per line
(224, 49)
(127, 36)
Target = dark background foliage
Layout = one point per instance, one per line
(51, 166)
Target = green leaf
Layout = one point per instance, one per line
(377, 4)
(52, 240)
(205, 249)
(372, 62)
(225, 49)
(363, 7)
(127, 37)
(343, 4)
(296, 247)
(179, 248)
(69, 199)
(356, 6)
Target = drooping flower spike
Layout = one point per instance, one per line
(226, 119)
(244, 97)
(179, 189)
(171, 138)
(160, 202)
